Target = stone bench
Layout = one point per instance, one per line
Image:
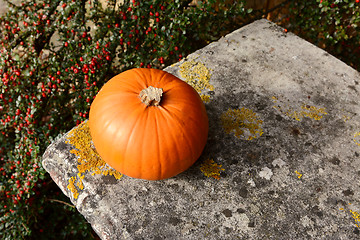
(281, 161)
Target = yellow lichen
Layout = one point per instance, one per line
(242, 122)
(306, 111)
(356, 138)
(211, 169)
(299, 175)
(197, 75)
(88, 159)
(356, 217)
(72, 187)
(346, 118)
(313, 112)
(80, 182)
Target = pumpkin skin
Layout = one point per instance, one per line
(148, 142)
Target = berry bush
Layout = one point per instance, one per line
(55, 55)
(333, 25)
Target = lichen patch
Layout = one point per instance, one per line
(357, 138)
(243, 123)
(197, 75)
(305, 110)
(72, 187)
(87, 158)
(211, 169)
(299, 175)
(355, 215)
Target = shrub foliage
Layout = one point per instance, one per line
(333, 25)
(55, 55)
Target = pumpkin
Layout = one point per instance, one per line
(148, 124)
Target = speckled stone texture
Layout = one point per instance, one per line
(297, 178)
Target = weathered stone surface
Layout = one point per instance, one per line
(291, 171)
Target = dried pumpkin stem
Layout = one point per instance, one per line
(151, 96)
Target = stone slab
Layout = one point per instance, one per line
(284, 126)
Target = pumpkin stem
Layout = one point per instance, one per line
(151, 96)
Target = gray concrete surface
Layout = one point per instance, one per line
(284, 126)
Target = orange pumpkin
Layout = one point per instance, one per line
(148, 124)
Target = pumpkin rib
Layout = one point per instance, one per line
(173, 116)
(142, 75)
(138, 83)
(170, 122)
(170, 125)
(182, 98)
(104, 129)
(165, 82)
(143, 123)
(180, 111)
(119, 85)
(111, 98)
(197, 131)
(157, 124)
(110, 118)
(197, 121)
(131, 133)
